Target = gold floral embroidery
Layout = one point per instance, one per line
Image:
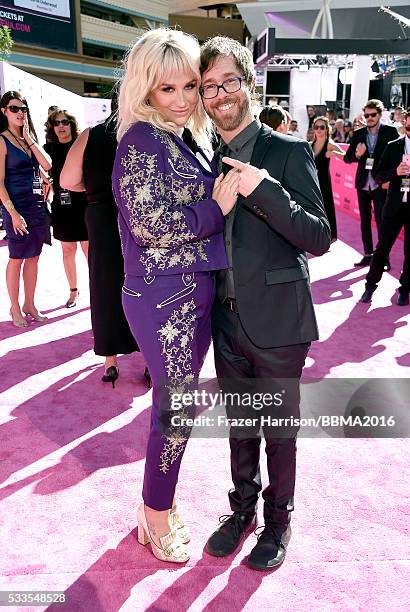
(176, 337)
(149, 194)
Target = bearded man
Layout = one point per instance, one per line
(263, 318)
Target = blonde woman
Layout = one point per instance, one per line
(171, 219)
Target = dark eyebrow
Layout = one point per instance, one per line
(173, 85)
(226, 75)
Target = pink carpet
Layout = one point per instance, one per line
(72, 455)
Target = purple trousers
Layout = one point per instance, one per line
(170, 318)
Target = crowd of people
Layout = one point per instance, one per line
(186, 244)
(367, 137)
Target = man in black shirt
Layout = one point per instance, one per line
(366, 148)
(263, 318)
(394, 168)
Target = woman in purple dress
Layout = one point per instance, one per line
(171, 219)
(25, 216)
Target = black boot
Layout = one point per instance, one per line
(367, 295)
(234, 528)
(366, 260)
(270, 550)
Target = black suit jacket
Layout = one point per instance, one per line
(386, 134)
(273, 227)
(386, 171)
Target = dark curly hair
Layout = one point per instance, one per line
(377, 105)
(50, 132)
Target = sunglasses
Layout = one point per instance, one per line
(58, 122)
(17, 109)
(367, 115)
(319, 127)
(407, 128)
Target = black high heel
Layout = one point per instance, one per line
(147, 377)
(71, 303)
(110, 375)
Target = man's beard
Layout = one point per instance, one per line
(232, 122)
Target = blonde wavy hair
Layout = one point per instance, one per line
(147, 64)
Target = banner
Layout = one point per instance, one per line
(56, 8)
(44, 23)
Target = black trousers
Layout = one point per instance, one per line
(365, 199)
(238, 360)
(391, 227)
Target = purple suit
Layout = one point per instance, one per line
(172, 238)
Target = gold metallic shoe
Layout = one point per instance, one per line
(17, 322)
(36, 316)
(178, 525)
(171, 548)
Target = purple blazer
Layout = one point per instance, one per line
(168, 221)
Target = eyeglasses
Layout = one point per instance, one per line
(319, 127)
(17, 109)
(367, 115)
(229, 86)
(58, 122)
(407, 128)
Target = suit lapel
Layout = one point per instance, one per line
(403, 144)
(185, 147)
(262, 143)
(381, 142)
(401, 149)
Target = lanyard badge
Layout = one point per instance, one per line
(405, 185)
(65, 197)
(37, 183)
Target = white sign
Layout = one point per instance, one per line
(40, 95)
(54, 8)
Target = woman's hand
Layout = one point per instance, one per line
(26, 132)
(47, 186)
(225, 191)
(19, 223)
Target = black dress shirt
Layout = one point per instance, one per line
(241, 148)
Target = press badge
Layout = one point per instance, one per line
(65, 197)
(369, 163)
(37, 183)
